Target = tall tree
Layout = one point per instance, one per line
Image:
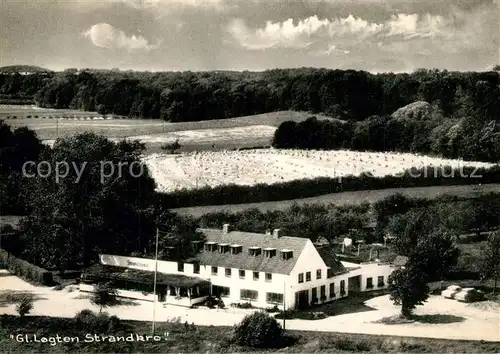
(490, 259)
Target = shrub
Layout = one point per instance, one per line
(25, 270)
(210, 302)
(85, 319)
(220, 304)
(24, 306)
(258, 330)
(101, 322)
(172, 147)
(242, 305)
(273, 309)
(104, 295)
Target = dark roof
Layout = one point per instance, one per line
(107, 272)
(400, 261)
(243, 260)
(331, 260)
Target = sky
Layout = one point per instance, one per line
(178, 35)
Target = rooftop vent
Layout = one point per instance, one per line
(254, 251)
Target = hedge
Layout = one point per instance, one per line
(236, 194)
(25, 270)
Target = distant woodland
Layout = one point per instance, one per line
(194, 96)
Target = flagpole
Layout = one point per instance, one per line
(154, 284)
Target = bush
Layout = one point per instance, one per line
(210, 302)
(86, 319)
(26, 270)
(302, 315)
(101, 322)
(258, 330)
(242, 305)
(24, 306)
(220, 304)
(273, 309)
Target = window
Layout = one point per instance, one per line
(236, 249)
(223, 248)
(220, 291)
(342, 287)
(254, 251)
(322, 292)
(314, 295)
(274, 298)
(301, 277)
(269, 252)
(318, 274)
(369, 283)
(196, 268)
(308, 276)
(255, 275)
(180, 267)
(269, 277)
(228, 272)
(248, 294)
(332, 290)
(214, 270)
(380, 281)
(242, 274)
(329, 273)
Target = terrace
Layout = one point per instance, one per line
(171, 289)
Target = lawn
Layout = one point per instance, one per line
(347, 198)
(49, 129)
(176, 337)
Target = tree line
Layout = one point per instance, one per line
(465, 138)
(193, 96)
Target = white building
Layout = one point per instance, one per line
(263, 269)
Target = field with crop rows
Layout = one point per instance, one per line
(250, 167)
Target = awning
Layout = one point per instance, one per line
(106, 272)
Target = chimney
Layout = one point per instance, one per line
(268, 232)
(226, 228)
(276, 233)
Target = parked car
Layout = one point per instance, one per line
(469, 295)
(451, 291)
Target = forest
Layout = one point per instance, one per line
(193, 96)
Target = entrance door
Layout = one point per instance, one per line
(302, 299)
(354, 284)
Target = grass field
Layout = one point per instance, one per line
(49, 129)
(346, 198)
(176, 337)
(217, 134)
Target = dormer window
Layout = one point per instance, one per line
(223, 247)
(269, 252)
(197, 245)
(254, 251)
(286, 254)
(236, 249)
(210, 246)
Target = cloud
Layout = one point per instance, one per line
(349, 30)
(104, 35)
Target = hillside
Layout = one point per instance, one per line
(23, 68)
